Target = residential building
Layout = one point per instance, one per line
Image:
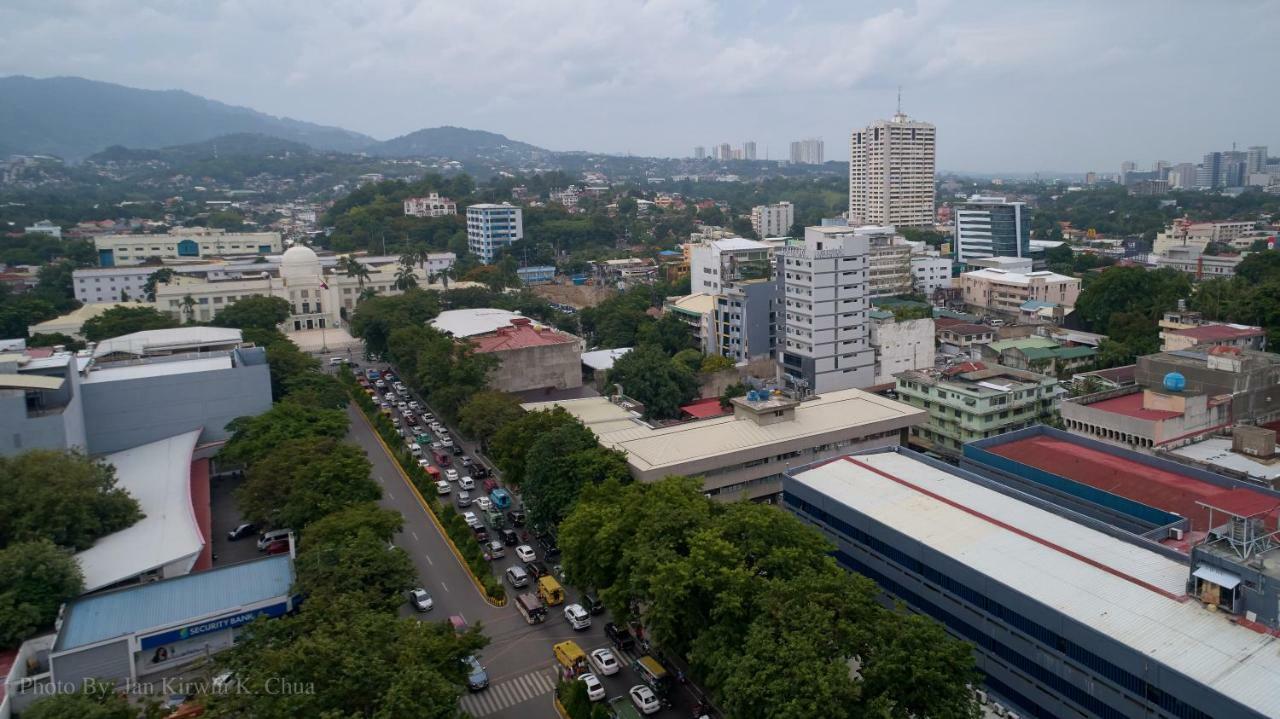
(1256, 159)
(749, 150)
(699, 152)
(1192, 261)
(1040, 354)
(974, 400)
(806, 152)
(186, 243)
(725, 152)
(825, 343)
(744, 454)
(929, 272)
(738, 275)
(1069, 609)
(963, 338)
(888, 262)
(531, 357)
(568, 197)
(626, 272)
(45, 227)
(1004, 292)
(490, 228)
(432, 205)
(697, 311)
(773, 220)
(891, 173)
(900, 345)
(1213, 334)
(992, 227)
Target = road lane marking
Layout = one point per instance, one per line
(446, 588)
(508, 693)
(429, 562)
(415, 535)
(391, 496)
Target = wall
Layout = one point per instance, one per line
(558, 366)
(19, 433)
(108, 661)
(902, 346)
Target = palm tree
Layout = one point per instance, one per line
(405, 278)
(188, 307)
(351, 267)
(367, 293)
(445, 275)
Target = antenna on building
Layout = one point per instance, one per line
(899, 99)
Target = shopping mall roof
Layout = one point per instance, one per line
(1126, 592)
(122, 612)
(158, 475)
(168, 341)
(468, 323)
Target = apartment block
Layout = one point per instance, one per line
(1005, 292)
(773, 220)
(975, 400)
(491, 227)
(891, 173)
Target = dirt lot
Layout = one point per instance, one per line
(579, 296)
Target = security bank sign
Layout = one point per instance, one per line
(192, 631)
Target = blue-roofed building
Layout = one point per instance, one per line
(130, 633)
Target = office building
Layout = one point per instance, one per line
(1070, 610)
(1182, 176)
(744, 454)
(992, 227)
(749, 150)
(1192, 261)
(490, 228)
(1005, 293)
(891, 173)
(699, 152)
(432, 205)
(974, 400)
(807, 152)
(825, 342)
(929, 272)
(773, 220)
(1126, 167)
(1256, 159)
(738, 275)
(185, 243)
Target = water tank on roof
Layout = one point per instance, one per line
(1175, 382)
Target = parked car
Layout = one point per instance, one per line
(442, 487)
(605, 663)
(592, 603)
(421, 599)
(526, 553)
(471, 519)
(577, 617)
(274, 535)
(280, 546)
(595, 689)
(242, 531)
(644, 699)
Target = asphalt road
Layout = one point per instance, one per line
(522, 671)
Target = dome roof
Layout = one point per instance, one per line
(299, 255)
(300, 265)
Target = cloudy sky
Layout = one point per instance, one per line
(1069, 85)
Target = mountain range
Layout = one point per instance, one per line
(73, 118)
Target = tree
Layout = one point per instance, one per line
(1259, 267)
(61, 496)
(254, 437)
(352, 267)
(1121, 290)
(286, 362)
(161, 276)
(361, 565)
(302, 480)
(256, 311)
(559, 464)
(737, 389)
(356, 519)
(486, 412)
(188, 308)
(38, 577)
(690, 359)
(315, 389)
(715, 363)
(94, 699)
(405, 278)
(375, 317)
(53, 339)
(670, 334)
(918, 653)
(1059, 257)
(511, 443)
(651, 378)
(119, 321)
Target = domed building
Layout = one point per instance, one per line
(306, 289)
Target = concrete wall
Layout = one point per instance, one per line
(902, 346)
(558, 366)
(19, 433)
(127, 413)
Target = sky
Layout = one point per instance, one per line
(1068, 86)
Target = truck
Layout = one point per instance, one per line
(622, 708)
(531, 608)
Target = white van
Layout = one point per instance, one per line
(415, 449)
(268, 537)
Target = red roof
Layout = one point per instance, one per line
(1130, 405)
(1163, 489)
(519, 336)
(1211, 333)
(704, 408)
(1243, 502)
(968, 328)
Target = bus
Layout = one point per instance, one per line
(531, 608)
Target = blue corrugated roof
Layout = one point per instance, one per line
(159, 604)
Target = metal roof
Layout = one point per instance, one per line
(167, 340)
(467, 323)
(1121, 590)
(30, 381)
(603, 359)
(156, 605)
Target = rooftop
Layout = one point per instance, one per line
(698, 303)
(1216, 451)
(158, 604)
(158, 475)
(1130, 405)
(977, 377)
(165, 341)
(520, 335)
(738, 243)
(79, 316)
(115, 372)
(468, 323)
(965, 328)
(1022, 343)
(704, 408)
(603, 359)
(1218, 332)
(1119, 375)
(1018, 278)
(1123, 591)
(651, 448)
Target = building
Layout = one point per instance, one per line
(1247, 377)
(45, 227)
(1182, 176)
(738, 274)
(187, 243)
(888, 262)
(129, 635)
(749, 150)
(1199, 235)
(491, 227)
(1039, 354)
(929, 272)
(891, 173)
(537, 275)
(432, 205)
(1104, 379)
(974, 400)
(963, 338)
(1213, 334)
(1256, 159)
(626, 272)
(1004, 292)
(72, 323)
(461, 324)
(900, 346)
(1008, 264)
(699, 152)
(1200, 266)
(724, 152)
(744, 455)
(773, 220)
(697, 311)
(1069, 614)
(806, 152)
(568, 197)
(992, 227)
(531, 357)
(826, 343)
(1145, 418)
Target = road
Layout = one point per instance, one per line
(522, 671)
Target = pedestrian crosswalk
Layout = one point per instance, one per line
(510, 692)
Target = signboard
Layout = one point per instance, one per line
(211, 625)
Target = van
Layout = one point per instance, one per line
(550, 591)
(463, 499)
(415, 449)
(517, 576)
(571, 657)
(653, 674)
(531, 607)
(267, 538)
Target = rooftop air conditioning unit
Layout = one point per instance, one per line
(1175, 534)
(998, 708)
(1013, 715)
(982, 696)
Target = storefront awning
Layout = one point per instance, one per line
(1220, 577)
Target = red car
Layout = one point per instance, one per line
(490, 485)
(280, 546)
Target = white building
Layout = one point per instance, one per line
(807, 152)
(187, 243)
(739, 275)
(492, 227)
(825, 344)
(891, 173)
(900, 346)
(433, 205)
(888, 261)
(45, 227)
(773, 220)
(929, 272)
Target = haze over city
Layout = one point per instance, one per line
(1039, 86)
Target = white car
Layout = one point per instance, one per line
(390, 396)
(421, 599)
(472, 520)
(595, 690)
(423, 463)
(451, 474)
(436, 427)
(604, 662)
(402, 406)
(467, 483)
(484, 504)
(644, 699)
(380, 384)
(415, 406)
(442, 487)
(526, 554)
(577, 617)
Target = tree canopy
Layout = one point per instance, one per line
(35, 579)
(254, 437)
(92, 700)
(486, 412)
(256, 311)
(652, 378)
(119, 321)
(61, 496)
(302, 480)
(375, 318)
